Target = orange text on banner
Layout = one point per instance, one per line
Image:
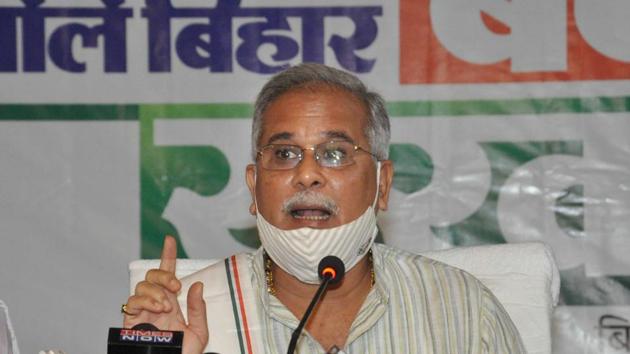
(585, 54)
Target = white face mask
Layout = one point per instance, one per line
(299, 251)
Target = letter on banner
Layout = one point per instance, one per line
(193, 38)
(8, 42)
(33, 15)
(218, 27)
(604, 24)
(113, 31)
(364, 35)
(33, 39)
(530, 33)
(253, 37)
(312, 37)
(618, 330)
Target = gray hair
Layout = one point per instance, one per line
(311, 75)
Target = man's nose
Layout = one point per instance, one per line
(308, 173)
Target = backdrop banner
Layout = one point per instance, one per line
(122, 121)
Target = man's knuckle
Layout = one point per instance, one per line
(152, 273)
(139, 287)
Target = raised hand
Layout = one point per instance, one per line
(155, 301)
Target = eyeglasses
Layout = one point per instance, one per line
(333, 154)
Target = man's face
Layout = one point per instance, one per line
(306, 118)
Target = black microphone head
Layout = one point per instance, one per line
(331, 267)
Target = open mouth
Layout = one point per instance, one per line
(310, 206)
(310, 213)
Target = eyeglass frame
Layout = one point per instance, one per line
(355, 148)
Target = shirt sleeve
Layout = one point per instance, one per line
(498, 333)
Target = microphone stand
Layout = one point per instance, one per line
(307, 313)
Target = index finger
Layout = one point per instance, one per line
(169, 254)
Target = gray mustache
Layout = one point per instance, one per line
(309, 198)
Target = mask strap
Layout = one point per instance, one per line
(255, 182)
(378, 180)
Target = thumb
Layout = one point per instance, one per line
(197, 320)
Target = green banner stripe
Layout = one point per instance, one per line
(508, 107)
(210, 110)
(68, 112)
(245, 110)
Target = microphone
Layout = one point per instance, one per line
(331, 270)
(144, 338)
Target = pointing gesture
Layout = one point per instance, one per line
(155, 301)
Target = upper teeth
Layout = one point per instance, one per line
(311, 217)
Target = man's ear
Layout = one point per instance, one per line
(250, 179)
(385, 183)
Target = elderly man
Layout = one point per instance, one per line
(320, 145)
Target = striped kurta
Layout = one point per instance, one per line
(417, 305)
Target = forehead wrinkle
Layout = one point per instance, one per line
(279, 136)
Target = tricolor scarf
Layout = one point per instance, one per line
(231, 306)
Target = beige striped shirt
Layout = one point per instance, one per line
(417, 305)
